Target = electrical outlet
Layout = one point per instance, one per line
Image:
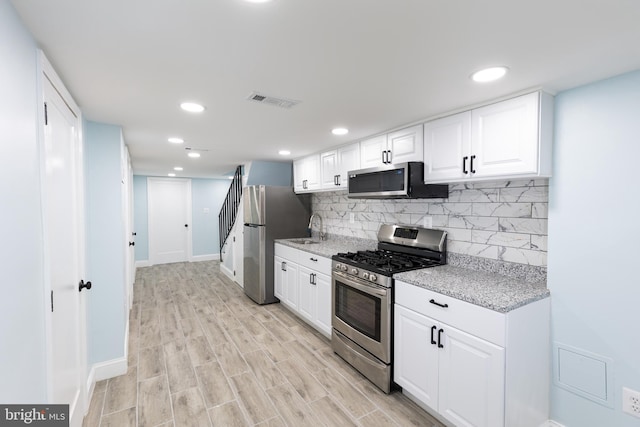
(428, 222)
(352, 218)
(631, 402)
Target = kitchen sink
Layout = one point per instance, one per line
(304, 241)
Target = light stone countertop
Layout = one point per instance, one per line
(333, 245)
(488, 290)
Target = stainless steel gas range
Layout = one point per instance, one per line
(362, 296)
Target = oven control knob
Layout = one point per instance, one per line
(343, 267)
(373, 277)
(338, 266)
(354, 271)
(365, 276)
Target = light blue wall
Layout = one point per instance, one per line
(207, 194)
(594, 235)
(106, 317)
(140, 218)
(271, 173)
(22, 305)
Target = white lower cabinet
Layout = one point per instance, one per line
(303, 283)
(472, 366)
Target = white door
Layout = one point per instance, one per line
(371, 151)
(329, 169)
(348, 160)
(447, 146)
(471, 380)
(505, 137)
(169, 220)
(127, 219)
(323, 302)
(307, 294)
(63, 220)
(416, 355)
(406, 145)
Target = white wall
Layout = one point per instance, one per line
(594, 241)
(22, 305)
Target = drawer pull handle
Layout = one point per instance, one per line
(314, 259)
(433, 328)
(432, 301)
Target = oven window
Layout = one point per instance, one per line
(358, 309)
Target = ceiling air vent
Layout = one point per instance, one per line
(272, 100)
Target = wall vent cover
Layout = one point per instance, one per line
(272, 100)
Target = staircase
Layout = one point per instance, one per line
(229, 210)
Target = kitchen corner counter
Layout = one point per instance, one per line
(332, 245)
(488, 290)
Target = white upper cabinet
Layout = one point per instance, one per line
(348, 160)
(446, 142)
(336, 164)
(405, 145)
(306, 174)
(507, 139)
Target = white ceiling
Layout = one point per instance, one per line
(368, 65)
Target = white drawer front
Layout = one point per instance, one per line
(315, 262)
(287, 252)
(481, 322)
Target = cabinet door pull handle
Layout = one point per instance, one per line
(433, 329)
(338, 180)
(440, 331)
(432, 301)
(464, 165)
(384, 157)
(472, 169)
(389, 157)
(283, 267)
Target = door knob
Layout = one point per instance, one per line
(186, 225)
(83, 285)
(132, 243)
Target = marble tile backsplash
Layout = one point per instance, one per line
(498, 220)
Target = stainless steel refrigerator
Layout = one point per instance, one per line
(269, 213)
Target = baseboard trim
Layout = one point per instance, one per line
(109, 369)
(143, 263)
(227, 272)
(208, 257)
(551, 423)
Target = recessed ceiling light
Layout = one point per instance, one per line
(175, 140)
(192, 107)
(171, 174)
(284, 152)
(177, 168)
(194, 155)
(489, 74)
(340, 131)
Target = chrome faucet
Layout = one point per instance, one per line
(310, 227)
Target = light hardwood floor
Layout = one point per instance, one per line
(201, 353)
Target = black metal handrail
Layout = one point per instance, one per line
(229, 210)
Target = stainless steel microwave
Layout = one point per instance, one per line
(398, 181)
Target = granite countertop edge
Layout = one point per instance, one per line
(485, 289)
(331, 246)
(489, 290)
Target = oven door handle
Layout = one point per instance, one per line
(369, 289)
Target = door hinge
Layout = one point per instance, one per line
(51, 297)
(46, 119)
